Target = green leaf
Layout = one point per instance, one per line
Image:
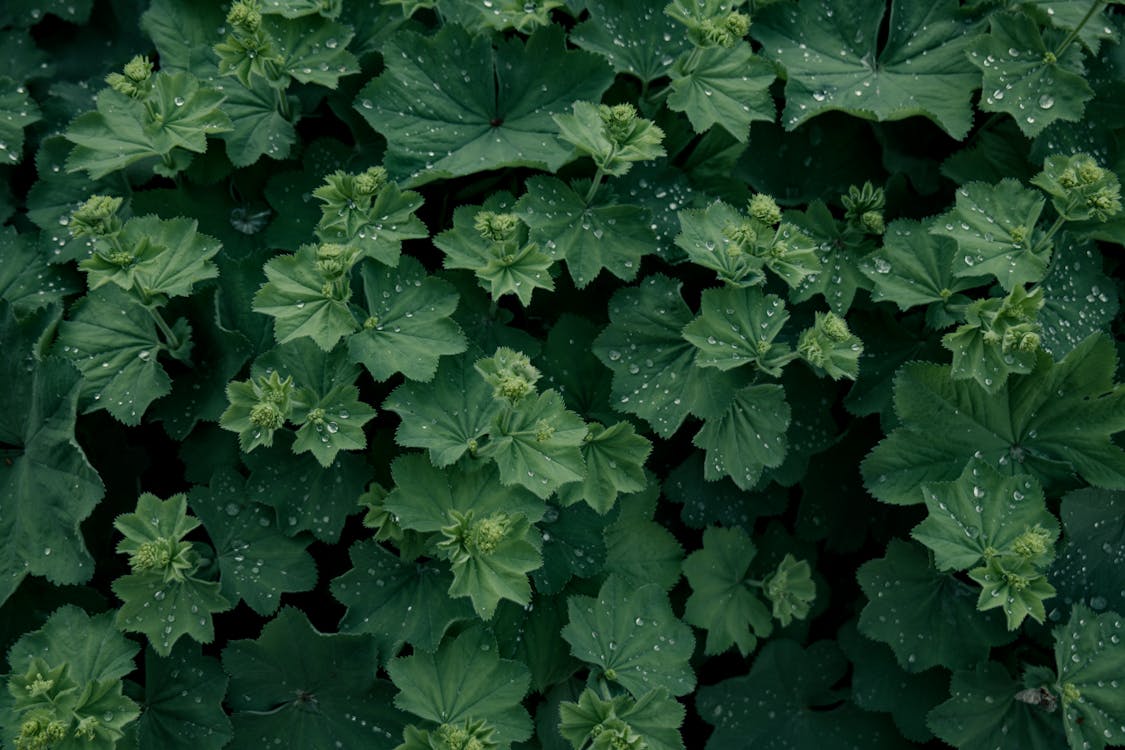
(1023, 77)
(833, 60)
(312, 49)
(721, 601)
(573, 547)
(653, 374)
(408, 328)
(982, 509)
(377, 227)
(170, 257)
(257, 561)
(1079, 299)
(307, 495)
(183, 33)
(20, 111)
(113, 342)
(748, 437)
(589, 235)
(177, 113)
(333, 421)
(655, 719)
(398, 601)
(834, 271)
(615, 137)
(1088, 567)
(491, 557)
(983, 712)
(257, 128)
(47, 485)
(82, 660)
(447, 415)
(727, 86)
(536, 445)
(1028, 426)
(514, 266)
(424, 497)
(632, 636)
(994, 227)
(640, 550)
(614, 458)
(737, 326)
(454, 87)
(784, 703)
(297, 685)
(1090, 658)
(906, 596)
(183, 702)
(303, 301)
(878, 684)
(636, 38)
(465, 679)
(1000, 336)
(164, 604)
(914, 267)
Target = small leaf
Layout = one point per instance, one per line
(727, 86)
(614, 458)
(304, 301)
(632, 636)
(748, 437)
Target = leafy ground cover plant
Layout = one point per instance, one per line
(588, 374)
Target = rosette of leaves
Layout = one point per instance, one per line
(164, 117)
(1000, 336)
(65, 683)
(168, 593)
(998, 528)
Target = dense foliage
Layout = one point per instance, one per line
(561, 374)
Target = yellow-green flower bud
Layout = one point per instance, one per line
(765, 209)
(1032, 543)
(1049, 58)
(496, 227)
(835, 327)
(1017, 582)
(266, 415)
(333, 260)
(544, 431)
(487, 533)
(873, 222)
(741, 236)
(87, 728)
(1105, 202)
(371, 181)
(618, 120)
(244, 17)
(138, 69)
(96, 217)
(371, 322)
(1068, 179)
(1018, 234)
(1070, 693)
(1088, 171)
(737, 24)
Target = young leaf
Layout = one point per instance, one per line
(47, 484)
(182, 707)
(332, 421)
(375, 223)
(1029, 426)
(305, 301)
(113, 342)
(162, 598)
(296, 684)
(748, 437)
(614, 458)
(1000, 337)
(737, 326)
(396, 600)
(448, 415)
(471, 123)
(536, 445)
(652, 722)
(833, 60)
(653, 375)
(980, 515)
(466, 679)
(258, 563)
(1023, 77)
(633, 638)
(721, 601)
(589, 235)
(914, 267)
(614, 137)
(906, 595)
(727, 86)
(994, 227)
(408, 327)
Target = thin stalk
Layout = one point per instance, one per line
(170, 338)
(594, 185)
(283, 103)
(1094, 8)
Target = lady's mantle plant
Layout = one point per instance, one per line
(592, 374)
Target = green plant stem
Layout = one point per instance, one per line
(1094, 8)
(598, 177)
(283, 104)
(170, 338)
